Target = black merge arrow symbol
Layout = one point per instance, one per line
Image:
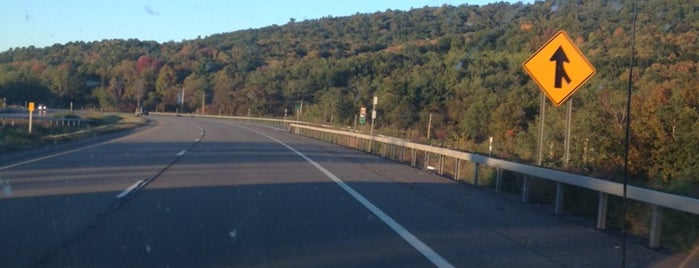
(560, 57)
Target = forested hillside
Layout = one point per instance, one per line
(462, 64)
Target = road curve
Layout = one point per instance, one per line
(191, 192)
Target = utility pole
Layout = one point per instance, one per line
(182, 100)
(203, 103)
(429, 126)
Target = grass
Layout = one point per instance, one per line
(16, 137)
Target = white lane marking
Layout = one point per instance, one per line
(423, 248)
(54, 155)
(181, 153)
(127, 191)
(76, 150)
(197, 140)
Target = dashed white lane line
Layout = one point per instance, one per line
(420, 246)
(127, 191)
(181, 153)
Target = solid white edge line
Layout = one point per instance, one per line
(423, 248)
(74, 150)
(127, 191)
(54, 155)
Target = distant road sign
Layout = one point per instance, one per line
(559, 68)
(362, 115)
(31, 107)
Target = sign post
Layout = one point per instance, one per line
(559, 69)
(373, 114)
(31, 112)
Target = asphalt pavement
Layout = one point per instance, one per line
(192, 192)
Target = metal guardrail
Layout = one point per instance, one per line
(256, 120)
(51, 121)
(656, 199)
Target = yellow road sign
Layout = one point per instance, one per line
(31, 107)
(559, 68)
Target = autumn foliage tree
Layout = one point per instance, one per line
(460, 64)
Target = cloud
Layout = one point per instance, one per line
(150, 11)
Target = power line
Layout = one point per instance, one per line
(628, 133)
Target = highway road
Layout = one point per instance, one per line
(192, 192)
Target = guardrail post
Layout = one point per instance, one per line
(475, 174)
(498, 180)
(658, 200)
(602, 211)
(427, 160)
(457, 168)
(525, 189)
(441, 165)
(413, 158)
(559, 198)
(402, 154)
(655, 227)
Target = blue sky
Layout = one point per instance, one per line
(43, 23)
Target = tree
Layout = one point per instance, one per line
(224, 83)
(196, 87)
(166, 89)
